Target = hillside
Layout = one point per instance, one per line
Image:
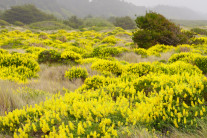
(179, 13)
(106, 8)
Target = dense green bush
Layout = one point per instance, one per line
(26, 14)
(50, 56)
(123, 22)
(201, 63)
(156, 29)
(49, 25)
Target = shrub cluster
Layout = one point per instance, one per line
(75, 73)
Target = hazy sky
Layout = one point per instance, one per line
(196, 5)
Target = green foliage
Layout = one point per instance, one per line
(54, 56)
(75, 73)
(201, 63)
(187, 57)
(26, 14)
(18, 23)
(50, 56)
(74, 22)
(156, 29)
(3, 23)
(123, 22)
(199, 31)
(49, 25)
(193, 58)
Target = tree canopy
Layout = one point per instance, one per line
(156, 29)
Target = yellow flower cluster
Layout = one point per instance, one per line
(17, 67)
(154, 50)
(75, 73)
(150, 94)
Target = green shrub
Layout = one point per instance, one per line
(193, 58)
(50, 56)
(156, 29)
(187, 57)
(18, 23)
(179, 67)
(3, 23)
(201, 63)
(49, 25)
(75, 73)
(197, 41)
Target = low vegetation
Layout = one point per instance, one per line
(101, 84)
(49, 25)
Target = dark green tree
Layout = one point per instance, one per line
(156, 29)
(26, 14)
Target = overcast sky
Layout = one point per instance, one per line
(196, 5)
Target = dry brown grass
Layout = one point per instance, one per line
(2, 136)
(16, 50)
(9, 101)
(51, 80)
(139, 132)
(132, 57)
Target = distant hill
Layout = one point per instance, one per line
(106, 8)
(179, 13)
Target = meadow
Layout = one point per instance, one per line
(87, 83)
